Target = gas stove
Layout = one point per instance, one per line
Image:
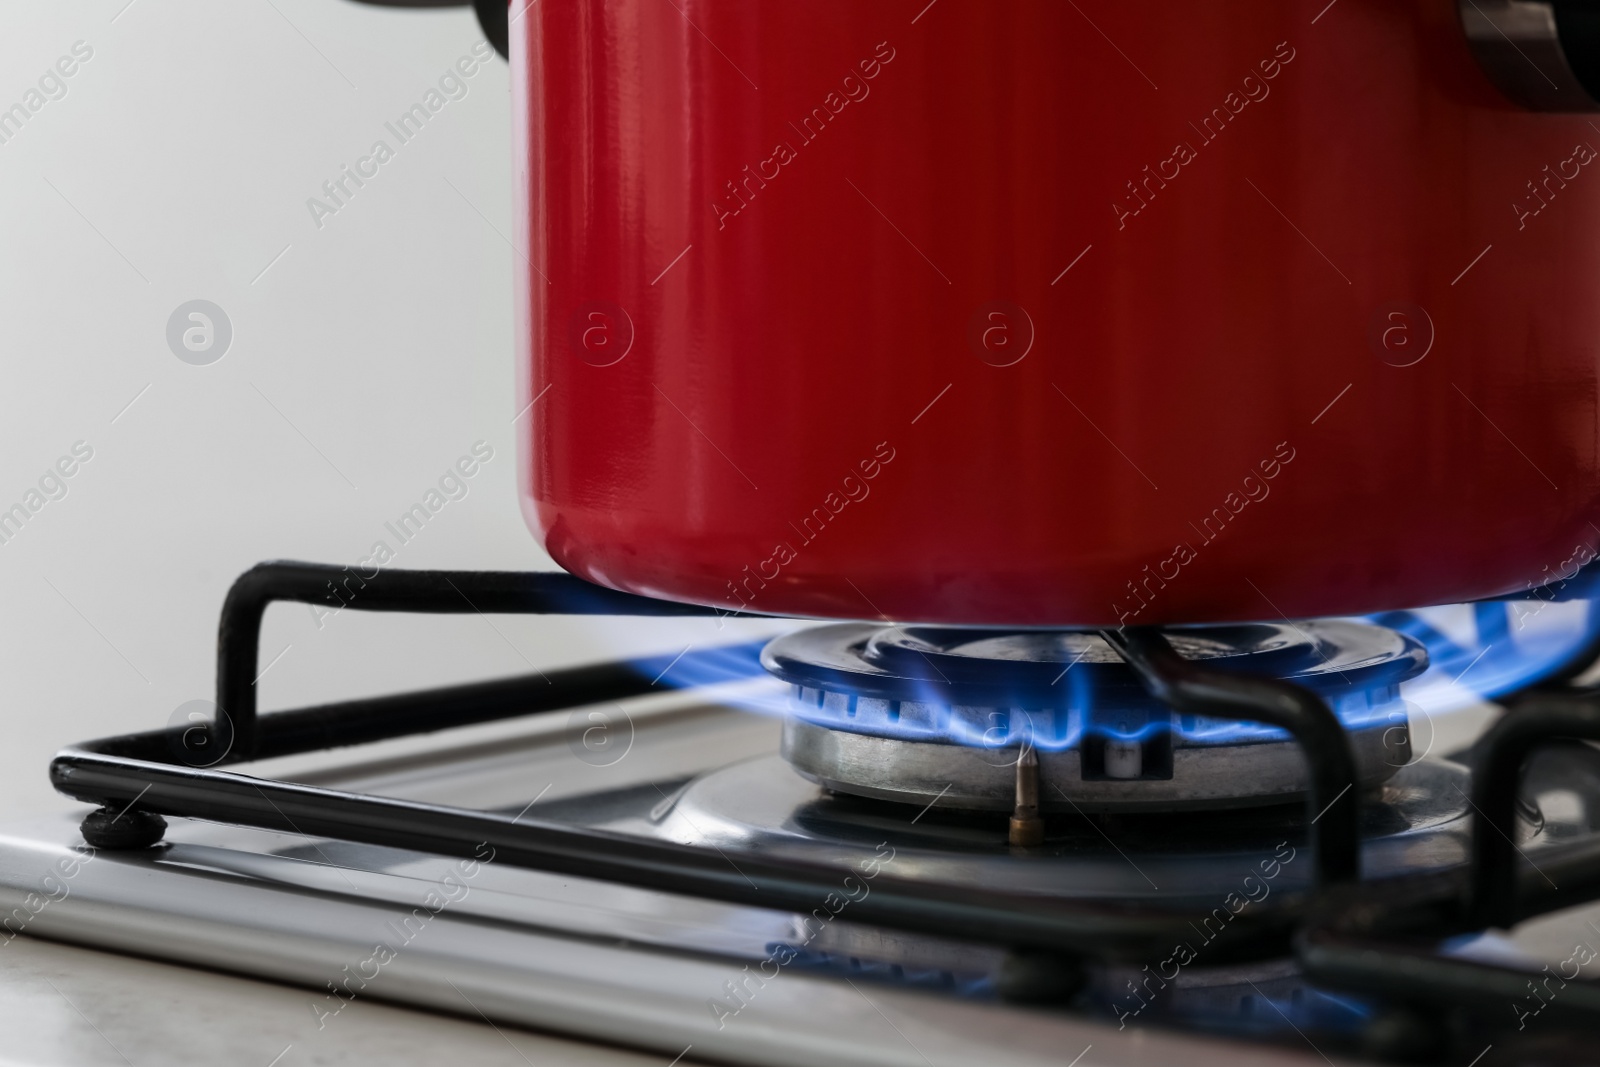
(869, 843)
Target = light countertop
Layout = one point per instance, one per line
(62, 1006)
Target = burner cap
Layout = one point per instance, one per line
(906, 713)
(1030, 667)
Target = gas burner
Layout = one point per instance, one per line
(914, 714)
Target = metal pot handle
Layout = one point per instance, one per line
(1542, 54)
(492, 17)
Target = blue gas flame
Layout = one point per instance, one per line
(930, 717)
(1476, 652)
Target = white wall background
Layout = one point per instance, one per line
(369, 357)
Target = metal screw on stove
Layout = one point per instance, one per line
(1027, 829)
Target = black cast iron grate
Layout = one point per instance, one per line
(1374, 938)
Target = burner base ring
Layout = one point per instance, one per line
(1203, 777)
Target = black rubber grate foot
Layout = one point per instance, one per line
(129, 828)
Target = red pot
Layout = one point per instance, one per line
(1049, 313)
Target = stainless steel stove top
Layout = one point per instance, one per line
(626, 965)
(738, 984)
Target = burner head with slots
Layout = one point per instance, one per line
(915, 713)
